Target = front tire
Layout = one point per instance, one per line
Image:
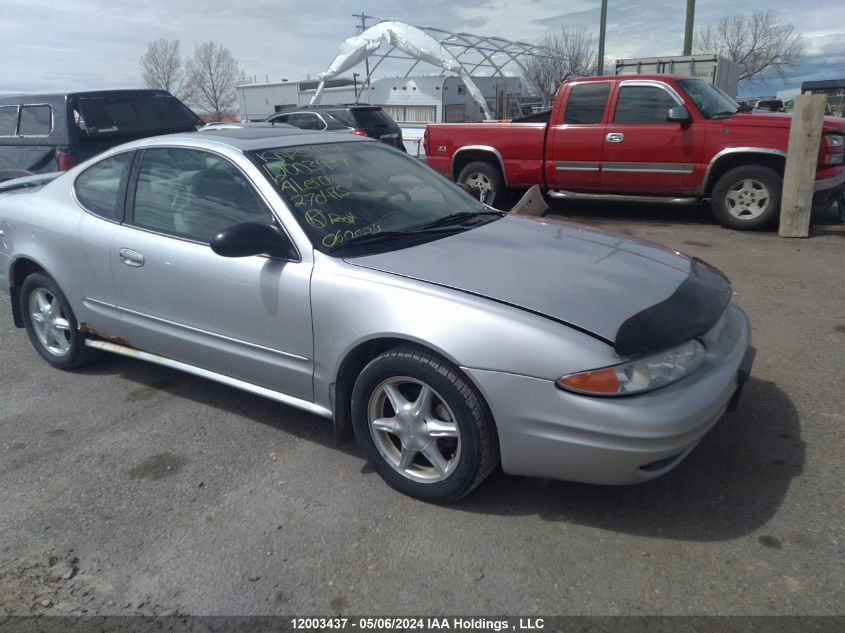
(423, 428)
(51, 324)
(747, 198)
(485, 181)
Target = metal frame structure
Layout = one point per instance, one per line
(477, 54)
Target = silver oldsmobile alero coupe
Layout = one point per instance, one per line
(342, 277)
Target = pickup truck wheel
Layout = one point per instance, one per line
(747, 198)
(485, 181)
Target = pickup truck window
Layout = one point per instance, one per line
(642, 104)
(36, 120)
(710, 101)
(586, 102)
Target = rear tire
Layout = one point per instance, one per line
(51, 324)
(485, 181)
(747, 198)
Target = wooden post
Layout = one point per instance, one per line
(802, 156)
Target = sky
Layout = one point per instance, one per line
(57, 46)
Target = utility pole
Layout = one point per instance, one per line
(688, 30)
(602, 27)
(361, 28)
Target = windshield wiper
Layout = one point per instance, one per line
(460, 218)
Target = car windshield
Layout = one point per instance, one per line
(345, 193)
(710, 101)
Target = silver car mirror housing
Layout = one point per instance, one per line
(253, 238)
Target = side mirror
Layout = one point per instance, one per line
(678, 114)
(253, 238)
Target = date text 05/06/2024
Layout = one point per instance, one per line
(417, 624)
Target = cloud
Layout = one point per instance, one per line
(95, 44)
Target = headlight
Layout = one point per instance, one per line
(644, 374)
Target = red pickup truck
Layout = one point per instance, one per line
(646, 136)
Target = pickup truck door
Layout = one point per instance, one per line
(643, 152)
(575, 138)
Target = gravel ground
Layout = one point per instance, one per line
(129, 488)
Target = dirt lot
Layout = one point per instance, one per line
(128, 488)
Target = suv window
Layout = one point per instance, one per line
(98, 187)
(8, 120)
(586, 102)
(372, 118)
(344, 117)
(306, 121)
(642, 104)
(36, 120)
(193, 194)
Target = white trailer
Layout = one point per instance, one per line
(719, 71)
(443, 99)
(258, 101)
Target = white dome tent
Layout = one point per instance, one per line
(462, 53)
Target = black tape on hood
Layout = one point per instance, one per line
(690, 311)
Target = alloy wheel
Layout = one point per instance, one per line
(748, 199)
(49, 322)
(414, 429)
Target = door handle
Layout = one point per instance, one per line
(615, 137)
(131, 258)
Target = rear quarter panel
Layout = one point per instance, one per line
(48, 227)
(521, 146)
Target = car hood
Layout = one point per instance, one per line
(633, 294)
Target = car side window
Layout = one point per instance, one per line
(98, 188)
(36, 120)
(642, 104)
(282, 118)
(585, 103)
(8, 120)
(193, 194)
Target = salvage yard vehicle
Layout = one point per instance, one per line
(361, 120)
(342, 277)
(640, 137)
(46, 133)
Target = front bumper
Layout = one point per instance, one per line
(547, 432)
(830, 187)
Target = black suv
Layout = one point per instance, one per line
(363, 120)
(44, 133)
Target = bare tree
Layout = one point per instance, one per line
(759, 43)
(570, 52)
(162, 68)
(213, 73)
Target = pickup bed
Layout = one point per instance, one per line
(649, 136)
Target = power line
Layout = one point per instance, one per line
(364, 17)
(361, 28)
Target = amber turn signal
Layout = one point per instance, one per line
(597, 381)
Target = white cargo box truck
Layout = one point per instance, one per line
(719, 71)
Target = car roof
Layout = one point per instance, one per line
(247, 139)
